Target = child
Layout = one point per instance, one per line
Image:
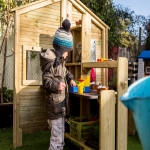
(55, 79)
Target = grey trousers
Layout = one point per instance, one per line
(57, 134)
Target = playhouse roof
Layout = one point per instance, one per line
(145, 54)
(41, 3)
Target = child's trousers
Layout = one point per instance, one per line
(57, 134)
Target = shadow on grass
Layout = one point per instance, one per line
(40, 141)
(32, 141)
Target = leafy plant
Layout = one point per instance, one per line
(106, 11)
(33, 54)
(7, 94)
(111, 14)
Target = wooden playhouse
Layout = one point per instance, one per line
(35, 26)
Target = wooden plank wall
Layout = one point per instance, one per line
(32, 110)
(76, 15)
(37, 28)
(96, 34)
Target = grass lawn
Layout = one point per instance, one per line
(40, 141)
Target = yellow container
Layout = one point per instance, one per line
(80, 84)
(80, 89)
(102, 59)
(87, 81)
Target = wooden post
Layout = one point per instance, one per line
(86, 39)
(122, 112)
(103, 56)
(16, 133)
(106, 55)
(63, 10)
(107, 120)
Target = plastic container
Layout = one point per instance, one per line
(86, 89)
(80, 89)
(73, 89)
(80, 83)
(87, 81)
(81, 130)
(137, 99)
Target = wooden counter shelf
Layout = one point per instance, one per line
(6, 104)
(73, 64)
(76, 28)
(105, 64)
(92, 95)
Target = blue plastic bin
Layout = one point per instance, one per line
(73, 89)
(86, 89)
(137, 99)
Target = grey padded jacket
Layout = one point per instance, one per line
(56, 101)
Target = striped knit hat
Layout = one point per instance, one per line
(62, 40)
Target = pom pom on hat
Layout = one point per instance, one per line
(66, 24)
(63, 39)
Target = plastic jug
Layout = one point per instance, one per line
(137, 99)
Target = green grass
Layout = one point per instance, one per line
(40, 141)
(134, 143)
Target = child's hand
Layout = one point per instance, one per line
(72, 83)
(62, 86)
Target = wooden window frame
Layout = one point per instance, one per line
(24, 67)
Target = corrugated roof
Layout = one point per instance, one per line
(145, 54)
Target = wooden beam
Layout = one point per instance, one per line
(34, 48)
(103, 56)
(35, 5)
(107, 120)
(78, 6)
(63, 10)
(106, 55)
(69, 11)
(97, 23)
(73, 64)
(106, 42)
(16, 141)
(81, 143)
(122, 112)
(105, 64)
(32, 82)
(86, 38)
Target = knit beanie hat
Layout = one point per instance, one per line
(62, 41)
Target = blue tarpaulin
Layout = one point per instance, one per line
(145, 54)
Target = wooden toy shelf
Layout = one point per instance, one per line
(112, 113)
(106, 117)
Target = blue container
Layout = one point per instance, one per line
(73, 89)
(137, 99)
(86, 89)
